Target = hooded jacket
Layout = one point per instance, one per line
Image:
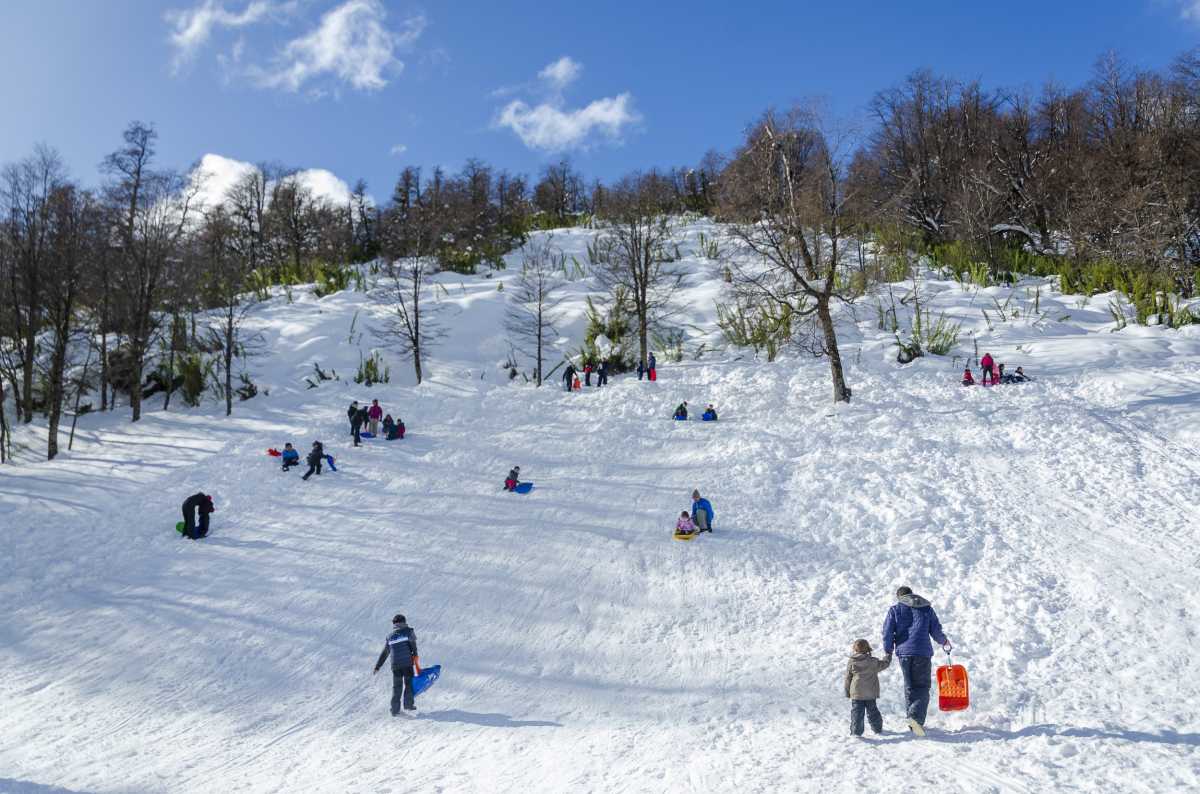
(862, 676)
(316, 455)
(908, 626)
(401, 644)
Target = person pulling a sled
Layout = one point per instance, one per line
(513, 479)
(315, 456)
(909, 624)
(862, 686)
(569, 376)
(202, 504)
(401, 645)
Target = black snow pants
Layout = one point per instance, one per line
(402, 691)
(312, 467)
(857, 708)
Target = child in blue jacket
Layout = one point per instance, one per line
(290, 456)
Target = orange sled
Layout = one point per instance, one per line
(953, 688)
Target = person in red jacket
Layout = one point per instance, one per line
(375, 414)
(968, 378)
(985, 364)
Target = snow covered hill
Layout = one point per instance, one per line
(1053, 525)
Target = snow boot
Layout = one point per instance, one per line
(916, 727)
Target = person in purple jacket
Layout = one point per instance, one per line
(909, 624)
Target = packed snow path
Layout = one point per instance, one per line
(583, 648)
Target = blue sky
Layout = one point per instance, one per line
(365, 87)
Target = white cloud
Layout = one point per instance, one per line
(561, 73)
(552, 127)
(192, 28)
(398, 149)
(351, 43)
(217, 174)
(1190, 10)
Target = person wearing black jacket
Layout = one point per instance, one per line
(569, 376)
(356, 422)
(202, 503)
(402, 645)
(315, 456)
(350, 412)
(602, 374)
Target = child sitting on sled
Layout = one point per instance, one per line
(510, 482)
(968, 378)
(862, 686)
(684, 525)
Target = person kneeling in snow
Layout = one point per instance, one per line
(203, 504)
(290, 456)
(710, 414)
(968, 378)
(862, 686)
(513, 479)
(702, 513)
(401, 644)
(684, 525)
(392, 429)
(681, 411)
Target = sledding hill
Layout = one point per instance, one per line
(1052, 524)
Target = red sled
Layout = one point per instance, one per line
(954, 691)
(274, 453)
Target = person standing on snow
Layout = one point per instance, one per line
(401, 644)
(652, 368)
(356, 422)
(602, 374)
(909, 624)
(569, 375)
(375, 414)
(702, 513)
(315, 456)
(200, 503)
(985, 364)
(352, 412)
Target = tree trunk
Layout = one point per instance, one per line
(229, 342)
(29, 355)
(78, 396)
(55, 397)
(104, 362)
(825, 317)
(3, 426)
(135, 385)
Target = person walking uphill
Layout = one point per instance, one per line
(401, 644)
(375, 414)
(862, 687)
(909, 624)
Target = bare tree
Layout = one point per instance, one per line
(792, 175)
(635, 261)
(412, 321)
(228, 261)
(533, 302)
(153, 207)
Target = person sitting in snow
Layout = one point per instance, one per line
(684, 525)
(968, 378)
(862, 686)
(1019, 376)
(513, 479)
(315, 457)
(681, 411)
(290, 456)
(710, 414)
(392, 429)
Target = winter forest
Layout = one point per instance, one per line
(734, 402)
(1098, 184)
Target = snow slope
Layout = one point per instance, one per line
(1053, 525)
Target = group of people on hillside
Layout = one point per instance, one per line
(907, 628)
(681, 413)
(570, 376)
(374, 420)
(992, 373)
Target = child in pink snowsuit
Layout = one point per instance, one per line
(375, 414)
(968, 378)
(684, 525)
(985, 364)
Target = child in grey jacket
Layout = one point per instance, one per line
(862, 686)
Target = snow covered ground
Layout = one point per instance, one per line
(1053, 525)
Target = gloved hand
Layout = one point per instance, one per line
(947, 647)
(376, 670)
(417, 665)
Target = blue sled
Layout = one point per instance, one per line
(329, 460)
(708, 419)
(367, 434)
(426, 679)
(523, 487)
(680, 418)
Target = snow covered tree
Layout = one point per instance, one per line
(533, 302)
(788, 185)
(635, 260)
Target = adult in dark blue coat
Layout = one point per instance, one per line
(702, 513)
(907, 628)
(401, 645)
